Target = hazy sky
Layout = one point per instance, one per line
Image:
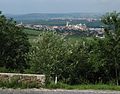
(58, 6)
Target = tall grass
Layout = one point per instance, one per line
(16, 83)
(83, 87)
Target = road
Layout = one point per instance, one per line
(45, 91)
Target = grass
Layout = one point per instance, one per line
(18, 82)
(83, 87)
(14, 84)
(32, 34)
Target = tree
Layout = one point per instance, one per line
(99, 65)
(55, 56)
(112, 22)
(14, 45)
(48, 53)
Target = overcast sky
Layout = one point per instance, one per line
(58, 6)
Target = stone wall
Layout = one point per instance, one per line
(23, 78)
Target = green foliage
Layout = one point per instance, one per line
(16, 83)
(105, 56)
(112, 44)
(76, 62)
(72, 60)
(59, 85)
(13, 45)
(54, 55)
(47, 54)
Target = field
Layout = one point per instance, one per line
(32, 34)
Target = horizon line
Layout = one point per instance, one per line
(53, 13)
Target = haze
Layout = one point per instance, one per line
(58, 6)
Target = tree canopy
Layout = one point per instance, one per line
(14, 45)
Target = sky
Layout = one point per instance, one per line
(58, 6)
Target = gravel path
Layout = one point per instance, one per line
(37, 91)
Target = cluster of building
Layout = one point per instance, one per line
(98, 32)
(80, 26)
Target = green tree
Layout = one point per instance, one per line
(97, 59)
(48, 53)
(112, 38)
(77, 68)
(105, 54)
(14, 45)
(53, 55)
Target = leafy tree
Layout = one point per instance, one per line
(112, 47)
(48, 53)
(105, 55)
(13, 46)
(53, 55)
(76, 63)
(97, 59)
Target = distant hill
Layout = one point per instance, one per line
(44, 16)
(49, 18)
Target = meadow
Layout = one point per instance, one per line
(33, 34)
